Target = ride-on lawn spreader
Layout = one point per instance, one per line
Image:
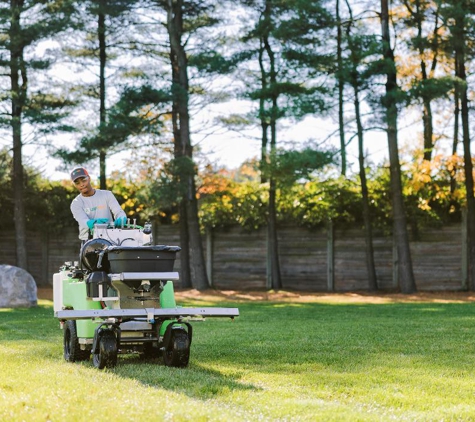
(119, 298)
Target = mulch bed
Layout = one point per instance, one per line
(46, 293)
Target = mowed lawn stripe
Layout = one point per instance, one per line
(277, 361)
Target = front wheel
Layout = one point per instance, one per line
(71, 349)
(107, 354)
(178, 352)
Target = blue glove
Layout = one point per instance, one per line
(90, 223)
(119, 222)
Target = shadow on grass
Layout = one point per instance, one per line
(277, 338)
(34, 334)
(196, 380)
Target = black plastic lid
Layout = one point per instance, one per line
(155, 248)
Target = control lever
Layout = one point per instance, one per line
(101, 255)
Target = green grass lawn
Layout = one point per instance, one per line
(277, 361)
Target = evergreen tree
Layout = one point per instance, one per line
(275, 41)
(183, 16)
(24, 24)
(358, 71)
(458, 18)
(390, 105)
(341, 88)
(186, 24)
(424, 16)
(101, 24)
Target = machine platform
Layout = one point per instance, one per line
(148, 313)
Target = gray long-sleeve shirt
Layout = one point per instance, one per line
(100, 205)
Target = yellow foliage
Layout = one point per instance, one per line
(423, 204)
(129, 203)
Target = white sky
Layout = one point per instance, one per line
(231, 149)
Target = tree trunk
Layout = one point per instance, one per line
(263, 117)
(455, 141)
(185, 272)
(341, 120)
(401, 238)
(428, 129)
(468, 166)
(368, 229)
(18, 94)
(275, 281)
(273, 267)
(180, 92)
(468, 171)
(273, 246)
(101, 33)
(427, 107)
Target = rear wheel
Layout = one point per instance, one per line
(178, 352)
(71, 349)
(107, 354)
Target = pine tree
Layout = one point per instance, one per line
(179, 14)
(280, 43)
(457, 16)
(390, 103)
(30, 104)
(96, 49)
(426, 43)
(358, 71)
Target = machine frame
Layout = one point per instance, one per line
(104, 312)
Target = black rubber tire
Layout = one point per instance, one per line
(71, 350)
(107, 356)
(178, 353)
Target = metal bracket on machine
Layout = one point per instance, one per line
(172, 276)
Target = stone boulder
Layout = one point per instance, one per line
(17, 288)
